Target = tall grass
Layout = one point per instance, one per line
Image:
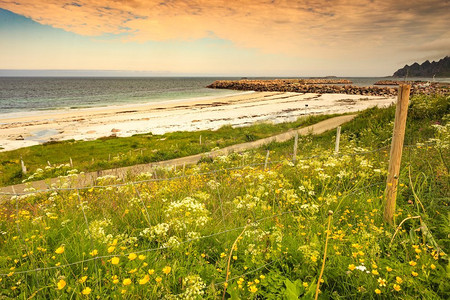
(173, 237)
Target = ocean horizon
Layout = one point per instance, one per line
(31, 94)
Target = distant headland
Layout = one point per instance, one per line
(440, 68)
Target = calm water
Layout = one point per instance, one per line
(22, 94)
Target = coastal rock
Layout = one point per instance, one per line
(115, 130)
(298, 86)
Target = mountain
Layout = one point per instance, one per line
(440, 68)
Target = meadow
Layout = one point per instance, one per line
(233, 229)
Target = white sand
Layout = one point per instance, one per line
(187, 115)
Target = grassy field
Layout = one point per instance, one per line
(109, 152)
(228, 229)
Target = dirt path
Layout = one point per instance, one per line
(317, 128)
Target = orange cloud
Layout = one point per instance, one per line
(277, 26)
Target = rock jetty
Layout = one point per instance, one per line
(301, 86)
(310, 86)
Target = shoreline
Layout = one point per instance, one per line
(67, 110)
(204, 113)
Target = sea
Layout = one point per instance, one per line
(33, 94)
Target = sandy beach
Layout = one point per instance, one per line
(27, 129)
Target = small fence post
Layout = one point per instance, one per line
(71, 162)
(200, 139)
(24, 168)
(267, 160)
(398, 135)
(294, 159)
(338, 139)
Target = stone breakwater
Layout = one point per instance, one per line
(297, 86)
(300, 86)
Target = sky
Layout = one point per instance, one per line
(223, 37)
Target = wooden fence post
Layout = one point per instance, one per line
(71, 162)
(267, 160)
(338, 139)
(401, 112)
(24, 168)
(294, 159)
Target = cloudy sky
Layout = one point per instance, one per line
(224, 37)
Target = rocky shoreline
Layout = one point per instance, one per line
(397, 82)
(324, 87)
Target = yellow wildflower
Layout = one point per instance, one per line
(399, 280)
(397, 287)
(94, 252)
(144, 280)
(377, 291)
(253, 289)
(433, 267)
(126, 281)
(141, 257)
(61, 284)
(115, 260)
(111, 249)
(388, 269)
(412, 263)
(414, 273)
(158, 279)
(86, 291)
(166, 270)
(351, 267)
(60, 250)
(132, 256)
(381, 281)
(82, 279)
(115, 279)
(151, 271)
(222, 255)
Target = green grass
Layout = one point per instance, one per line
(110, 152)
(277, 218)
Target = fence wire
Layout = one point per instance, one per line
(181, 243)
(191, 175)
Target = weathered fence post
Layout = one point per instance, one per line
(294, 159)
(267, 160)
(24, 168)
(338, 139)
(401, 112)
(71, 162)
